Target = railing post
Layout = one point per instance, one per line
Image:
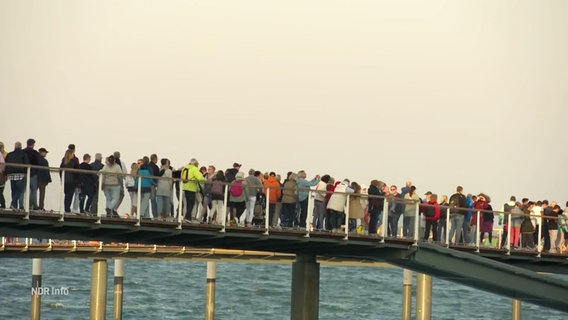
(62, 196)
(539, 242)
(27, 193)
(447, 227)
(267, 213)
(477, 233)
(347, 220)
(417, 223)
(385, 219)
(139, 201)
(180, 205)
(118, 288)
(100, 202)
(225, 199)
(509, 234)
(310, 213)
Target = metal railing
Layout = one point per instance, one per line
(344, 229)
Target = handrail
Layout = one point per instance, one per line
(389, 198)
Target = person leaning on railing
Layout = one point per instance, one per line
(190, 176)
(112, 183)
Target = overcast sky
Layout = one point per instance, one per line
(437, 92)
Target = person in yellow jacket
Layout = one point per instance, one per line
(191, 177)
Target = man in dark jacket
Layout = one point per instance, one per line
(87, 185)
(17, 175)
(33, 157)
(97, 165)
(43, 177)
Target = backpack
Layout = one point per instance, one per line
(430, 211)
(217, 188)
(454, 203)
(236, 188)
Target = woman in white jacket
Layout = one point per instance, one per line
(411, 200)
(336, 205)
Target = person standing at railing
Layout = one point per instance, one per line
(191, 177)
(356, 210)
(71, 178)
(238, 194)
(217, 192)
(96, 165)
(396, 209)
(442, 227)
(87, 185)
(483, 207)
(507, 207)
(303, 191)
(516, 220)
(431, 210)
(33, 156)
(112, 182)
(336, 205)
(273, 191)
(122, 165)
(528, 227)
(3, 177)
(458, 210)
(130, 183)
(164, 190)
(319, 202)
(146, 185)
(536, 218)
(43, 177)
(254, 188)
(155, 170)
(17, 175)
(411, 200)
(551, 220)
(376, 205)
(289, 200)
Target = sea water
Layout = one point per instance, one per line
(160, 289)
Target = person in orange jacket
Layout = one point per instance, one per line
(272, 191)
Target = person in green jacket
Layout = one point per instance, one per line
(191, 176)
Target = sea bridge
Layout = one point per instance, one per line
(515, 274)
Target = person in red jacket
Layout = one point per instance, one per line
(431, 210)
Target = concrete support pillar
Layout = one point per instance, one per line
(210, 290)
(423, 297)
(516, 314)
(118, 288)
(99, 289)
(407, 294)
(36, 285)
(305, 288)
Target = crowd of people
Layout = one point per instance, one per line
(152, 188)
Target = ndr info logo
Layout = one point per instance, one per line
(50, 291)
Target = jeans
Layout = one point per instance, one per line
(112, 194)
(145, 205)
(41, 188)
(216, 211)
(163, 206)
(303, 213)
(33, 192)
(18, 190)
(553, 234)
(319, 214)
(394, 224)
(466, 234)
(250, 209)
(408, 224)
(272, 216)
(374, 217)
(431, 225)
(189, 203)
(442, 229)
(86, 193)
(457, 225)
(287, 215)
(156, 208)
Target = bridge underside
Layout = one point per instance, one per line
(490, 270)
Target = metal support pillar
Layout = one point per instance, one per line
(210, 290)
(516, 312)
(36, 284)
(118, 288)
(305, 288)
(99, 289)
(407, 295)
(423, 296)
